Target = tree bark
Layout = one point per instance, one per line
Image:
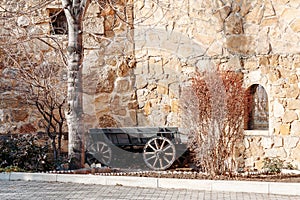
(74, 11)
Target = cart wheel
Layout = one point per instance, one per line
(159, 153)
(101, 152)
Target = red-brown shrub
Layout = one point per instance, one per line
(212, 108)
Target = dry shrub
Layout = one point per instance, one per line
(212, 108)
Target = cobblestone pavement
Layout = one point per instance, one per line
(32, 190)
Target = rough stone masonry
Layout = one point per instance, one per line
(137, 63)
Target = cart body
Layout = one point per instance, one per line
(159, 146)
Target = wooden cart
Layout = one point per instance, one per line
(159, 146)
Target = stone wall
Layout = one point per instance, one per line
(279, 75)
(258, 38)
(109, 96)
(138, 61)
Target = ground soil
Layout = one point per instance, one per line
(176, 171)
(258, 177)
(186, 174)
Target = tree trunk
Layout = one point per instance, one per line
(74, 10)
(53, 143)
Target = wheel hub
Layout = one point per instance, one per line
(159, 153)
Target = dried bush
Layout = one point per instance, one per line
(24, 152)
(212, 109)
(273, 165)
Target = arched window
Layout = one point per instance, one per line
(59, 25)
(257, 109)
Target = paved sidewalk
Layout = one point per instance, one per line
(33, 190)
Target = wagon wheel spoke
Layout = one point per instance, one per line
(105, 152)
(147, 153)
(154, 164)
(151, 157)
(165, 158)
(101, 152)
(162, 145)
(92, 148)
(168, 147)
(159, 153)
(152, 147)
(156, 145)
(161, 163)
(102, 148)
(106, 156)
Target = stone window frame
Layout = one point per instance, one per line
(58, 21)
(260, 132)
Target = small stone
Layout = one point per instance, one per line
(106, 121)
(269, 21)
(278, 109)
(276, 152)
(284, 129)
(222, 13)
(269, 9)
(174, 106)
(102, 99)
(266, 142)
(246, 143)
(120, 112)
(263, 61)
(293, 104)
(256, 150)
(27, 128)
(19, 115)
(123, 70)
(122, 85)
(289, 14)
(23, 21)
(278, 142)
(273, 60)
(295, 153)
(290, 142)
(147, 108)
(295, 128)
(233, 24)
(106, 82)
(289, 116)
(240, 44)
(155, 66)
(295, 25)
(162, 89)
(274, 75)
(94, 25)
(250, 64)
(140, 82)
(292, 91)
(259, 164)
(256, 15)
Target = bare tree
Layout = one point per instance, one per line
(45, 89)
(30, 73)
(39, 84)
(74, 11)
(212, 108)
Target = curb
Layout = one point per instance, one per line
(167, 183)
